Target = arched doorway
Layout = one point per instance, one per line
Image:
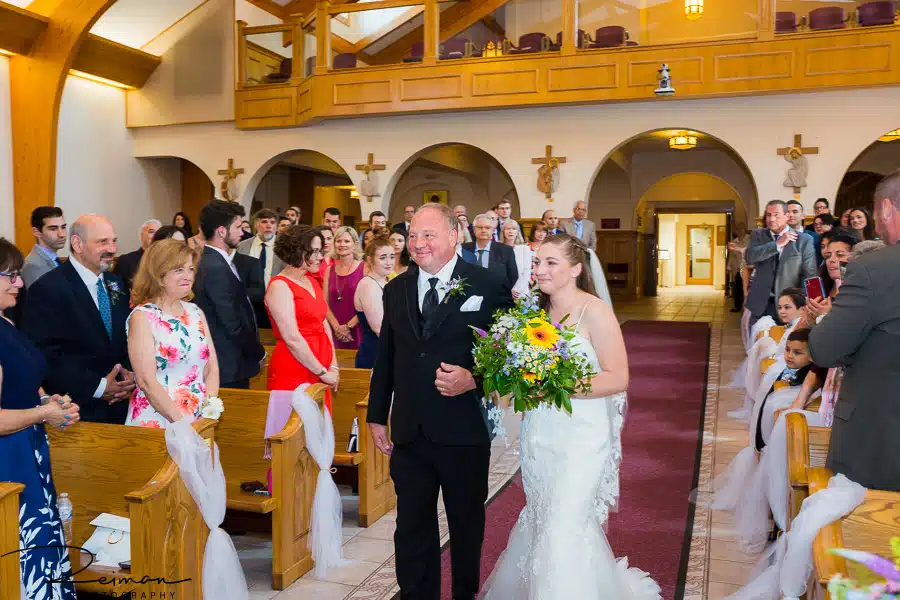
(305, 179)
(880, 158)
(674, 172)
(454, 173)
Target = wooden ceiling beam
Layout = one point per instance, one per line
(106, 59)
(401, 19)
(19, 28)
(274, 9)
(495, 27)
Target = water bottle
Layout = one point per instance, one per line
(65, 515)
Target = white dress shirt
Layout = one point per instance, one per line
(444, 276)
(256, 251)
(775, 236)
(483, 258)
(90, 280)
(229, 258)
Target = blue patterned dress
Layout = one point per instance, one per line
(25, 458)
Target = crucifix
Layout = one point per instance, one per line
(548, 173)
(229, 183)
(796, 155)
(369, 188)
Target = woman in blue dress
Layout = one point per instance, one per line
(368, 299)
(24, 451)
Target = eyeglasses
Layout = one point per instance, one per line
(13, 276)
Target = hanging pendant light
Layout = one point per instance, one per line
(890, 136)
(682, 141)
(693, 9)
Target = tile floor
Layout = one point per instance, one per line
(717, 566)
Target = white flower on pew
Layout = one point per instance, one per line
(212, 408)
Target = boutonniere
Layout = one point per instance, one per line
(114, 291)
(455, 287)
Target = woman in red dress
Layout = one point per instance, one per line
(304, 349)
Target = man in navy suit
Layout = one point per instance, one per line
(76, 315)
(550, 219)
(490, 254)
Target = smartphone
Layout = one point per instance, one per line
(125, 565)
(814, 287)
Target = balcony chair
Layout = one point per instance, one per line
(455, 48)
(528, 44)
(876, 13)
(282, 74)
(827, 17)
(415, 53)
(579, 40)
(785, 22)
(611, 36)
(347, 60)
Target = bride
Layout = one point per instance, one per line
(570, 462)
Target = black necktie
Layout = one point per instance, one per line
(430, 302)
(264, 256)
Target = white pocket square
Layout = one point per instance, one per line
(472, 304)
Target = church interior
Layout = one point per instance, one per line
(674, 122)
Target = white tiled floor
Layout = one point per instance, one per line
(717, 566)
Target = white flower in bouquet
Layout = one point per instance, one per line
(212, 408)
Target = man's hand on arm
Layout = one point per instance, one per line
(787, 238)
(452, 380)
(119, 385)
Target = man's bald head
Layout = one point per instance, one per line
(92, 239)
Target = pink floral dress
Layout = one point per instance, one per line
(182, 351)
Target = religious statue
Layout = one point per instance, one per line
(796, 175)
(368, 187)
(229, 187)
(665, 81)
(548, 177)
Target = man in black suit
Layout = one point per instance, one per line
(439, 437)
(127, 265)
(403, 227)
(76, 315)
(550, 219)
(491, 254)
(218, 290)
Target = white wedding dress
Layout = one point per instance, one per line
(570, 472)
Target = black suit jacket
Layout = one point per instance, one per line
(254, 280)
(127, 266)
(224, 300)
(401, 227)
(409, 356)
(63, 321)
(501, 261)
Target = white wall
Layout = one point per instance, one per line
(135, 22)
(95, 168)
(7, 225)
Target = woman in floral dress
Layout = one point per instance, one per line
(168, 342)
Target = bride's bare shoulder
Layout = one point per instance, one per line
(597, 311)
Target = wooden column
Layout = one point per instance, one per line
(432, 33)
(36, 83)
(569, 27)
(242, 54)
(766, 20)
(298, 57)
(323, 36)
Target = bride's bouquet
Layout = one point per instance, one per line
(527, 356)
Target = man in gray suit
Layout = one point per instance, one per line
(780, 257)
(261, 246)
(861, 331)
(48, 225)
(579, 226)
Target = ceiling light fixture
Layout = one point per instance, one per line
(102, 80)
(890, 136)
(6, 52)
(683, 140)
(693, 9)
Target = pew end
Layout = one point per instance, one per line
(10, 575)
(346, 358)
(807, 449)
(127, 471)
(376, 488)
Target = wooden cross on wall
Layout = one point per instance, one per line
(368, 168)
(551, 161)
(798, 143)
(231, 172)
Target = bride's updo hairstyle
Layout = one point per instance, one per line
(576, 252)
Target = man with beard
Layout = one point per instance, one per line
(76, 316)
(219, 292)
(261, 247)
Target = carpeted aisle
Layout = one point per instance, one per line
(663, 429)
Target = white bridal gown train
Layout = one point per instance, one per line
(570, 472)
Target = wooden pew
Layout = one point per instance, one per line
(266, 337)
(346, 358)
(869, 528)
(241, 439)
(127, 471)
(376, 490)
(807, 449)
(10, 576)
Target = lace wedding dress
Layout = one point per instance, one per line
(570, 472)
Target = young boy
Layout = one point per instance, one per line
(799, 365)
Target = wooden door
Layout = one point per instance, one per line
(700, 255)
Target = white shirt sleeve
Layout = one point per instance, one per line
(101, 389)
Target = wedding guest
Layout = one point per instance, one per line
(173, 356)
(367, 236)
(283, 224)
(261, 246)
(539, 233)
(551, 221)
(403, 227)
(492, 255)
(861, 222)
(823, 223)
(172, 232)
(401, 254)
(304, 348)
(368, 301)
(836, 254)
(251, 275)
(48, 225)
(377, 221)
(331, 218)
(327, 259)
(76, 316)
(735, 266)
(580, 226)
(293, 213)
(25, 410)
(183, 222)
(340, 286)
(461, 211)
(845, 218)
(821, 207)
(467, 233)
(494, 220)
(127, 265)
(222, 297)
(511, 234)
(197, 242)
(504, 213)
(246, 230)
